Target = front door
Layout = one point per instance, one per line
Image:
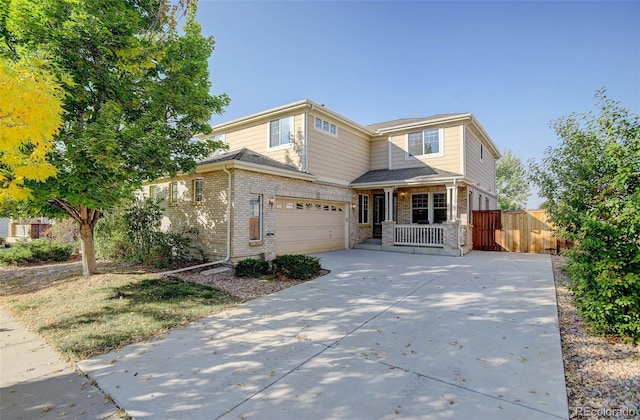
(378, 214)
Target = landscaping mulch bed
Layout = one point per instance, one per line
(602, 374)
(245, 288)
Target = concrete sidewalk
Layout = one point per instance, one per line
(385, 335)
(36, 383)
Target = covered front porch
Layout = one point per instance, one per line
(421, 219)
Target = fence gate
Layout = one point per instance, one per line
(515, 231)
(487, 225)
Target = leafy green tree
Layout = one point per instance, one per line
(512, 184)
(139, 92)
(592, 185)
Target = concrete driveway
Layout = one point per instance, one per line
(385, 335)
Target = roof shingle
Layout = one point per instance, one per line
(422, 173)
(249, 156)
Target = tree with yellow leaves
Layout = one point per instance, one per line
(30, 115)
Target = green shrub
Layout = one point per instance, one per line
(252, 268)
(38, 250)
(133, 234)
(17, 255)
(297, 267)
(44, 249)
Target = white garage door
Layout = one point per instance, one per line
(306, 226)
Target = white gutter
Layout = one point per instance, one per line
(288, 109)
(402, 183)
(254, 167)
(426, 122)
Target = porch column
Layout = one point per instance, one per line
(388, 204)
(452, 203)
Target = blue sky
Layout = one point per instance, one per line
(515, 65)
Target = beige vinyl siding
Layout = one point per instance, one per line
(479, 170)
(449, 161)
(256, 138)
(379, 153)
(340, 159)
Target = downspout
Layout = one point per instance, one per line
(455, 185)
(305, 159)
(226, 259)
(224, 168)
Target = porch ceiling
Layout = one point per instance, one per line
(408, 176)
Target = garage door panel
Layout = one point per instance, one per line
(305, 226)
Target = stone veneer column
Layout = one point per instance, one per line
(387, 233)
(450, 235)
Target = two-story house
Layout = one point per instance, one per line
(301, 178)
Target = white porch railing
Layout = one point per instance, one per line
(419, 235)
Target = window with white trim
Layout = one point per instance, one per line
(326, 126)
(420, 208)
(197, 187)
(222, 139)
(173, 193)
(363, 208)
(255, 217)
(439, 207)
(280, 132)
(426, 142)
(153, 192)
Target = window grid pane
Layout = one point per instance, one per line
(255, 219)
(363, 214)
(439, 200)
(274, 133)
(285, 131)
(420, 201)
(415, 144)
(197, 190)
(174, 192)
(431, 141)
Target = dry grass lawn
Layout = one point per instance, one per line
(83, 317)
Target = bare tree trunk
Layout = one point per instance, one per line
(89, 265)
(87, 219)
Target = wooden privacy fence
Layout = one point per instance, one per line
(515, 231)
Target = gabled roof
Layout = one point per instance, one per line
(249, 156)
(402, 176)
(304, 105)
(411, 121)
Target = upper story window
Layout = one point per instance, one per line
(427, 142)
(222, 139)
(326, 126)
(481, 152)
(280, 132)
